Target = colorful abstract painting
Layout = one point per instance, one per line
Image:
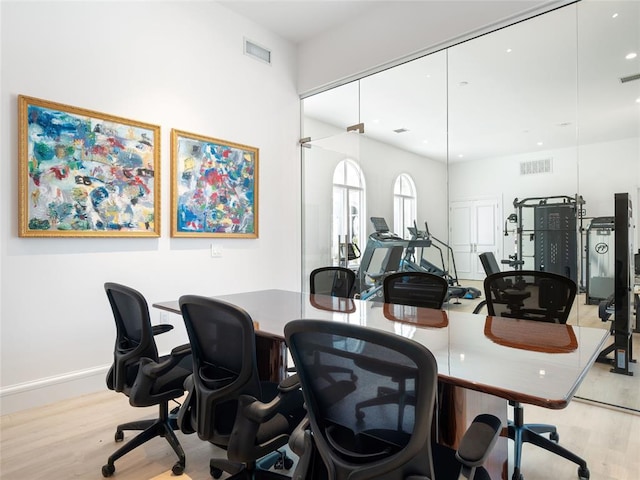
(84, 173)
(214, 188)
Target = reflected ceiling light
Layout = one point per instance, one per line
(542, 373)
(539, 144)
(460, 156)
(631, 56)
(427, 141)
(462, 357)
(638, 100)
(614, 15)
(509, 50)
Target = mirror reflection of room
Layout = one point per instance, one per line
(499, 145)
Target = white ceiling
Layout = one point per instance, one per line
(492, 102)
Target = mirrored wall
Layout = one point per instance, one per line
(472, 143)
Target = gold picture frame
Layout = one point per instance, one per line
(86, 174)
(214, 187)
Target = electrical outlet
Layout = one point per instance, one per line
(216, 250)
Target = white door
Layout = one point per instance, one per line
(475, 228)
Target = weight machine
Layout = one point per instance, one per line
(549, 225)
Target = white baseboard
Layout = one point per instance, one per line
(37, 393)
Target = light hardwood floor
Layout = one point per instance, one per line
(73, 439)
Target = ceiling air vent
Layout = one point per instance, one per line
(256, 51)
(630, 78)
(533, 167)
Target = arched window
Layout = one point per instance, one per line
(348, 225)
(404, 205)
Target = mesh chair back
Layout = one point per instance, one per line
(374, 446)
(134, 337)
(224, 360)
(530, 295)
(334, 281)
(418, 289)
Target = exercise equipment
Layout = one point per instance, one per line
(412, 263)
(600, 260)
(549, 226)
(622, 346)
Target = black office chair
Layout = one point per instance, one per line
(143, 376)
(334, 443)
(539, 296)
(418, 289)
(227, 404)
(333, 281)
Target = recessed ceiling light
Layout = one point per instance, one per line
(638, 100)
(509, 50)
(614, 15)
(425, 141)
(460, 156)
(539, 144)
(631, 56)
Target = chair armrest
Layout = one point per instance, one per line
(153, 370)
(181, 350)
(478, 440)
(289, 384)
(162, 328)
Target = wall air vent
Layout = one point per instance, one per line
(256, 51)
(630, 78)
(533, 167)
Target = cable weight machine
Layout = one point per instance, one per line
(547, 234)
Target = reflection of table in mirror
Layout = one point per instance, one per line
(480, 372)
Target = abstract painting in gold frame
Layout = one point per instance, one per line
(214, 187)
(86, 174)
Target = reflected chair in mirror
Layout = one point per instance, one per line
(542, 297)
(333, 281)
(490, 266)
(417, 289)
(227, 404)
(142, 375)
(335, 443)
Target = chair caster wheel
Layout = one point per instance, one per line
(177, 469)
(108, 470)
(288, 463)
(119, 436)
(554, 437)
(583, 473)
(215, 472)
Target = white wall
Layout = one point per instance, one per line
(595, 171)
(174, 64)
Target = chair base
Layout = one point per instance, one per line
(163, 426)
(522, 433)
(257, 470)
